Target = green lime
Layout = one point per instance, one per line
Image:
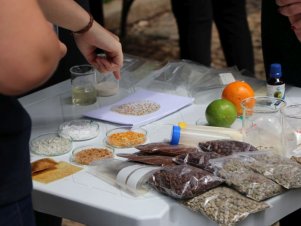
(221, 113)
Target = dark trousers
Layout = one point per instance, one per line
(194, 20)
(43, 219)
(279, 43)
(18, 213)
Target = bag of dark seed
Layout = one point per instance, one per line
(226, 147)
(183, 181)
(156, 160)
(164, 148)
(197, 159)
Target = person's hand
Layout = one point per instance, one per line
(292, 9)
(99, 38)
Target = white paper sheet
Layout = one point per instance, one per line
(168, 104)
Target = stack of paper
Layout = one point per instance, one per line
(140, 108)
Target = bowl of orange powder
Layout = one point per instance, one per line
(126, 137)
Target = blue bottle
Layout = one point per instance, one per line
(275, 84)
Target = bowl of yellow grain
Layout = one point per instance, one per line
(126, 137)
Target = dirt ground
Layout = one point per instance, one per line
(156, 38)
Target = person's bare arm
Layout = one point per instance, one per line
(30, 50)
(68, 14)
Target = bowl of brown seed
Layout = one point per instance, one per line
(85, 155)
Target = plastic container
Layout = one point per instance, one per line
(87, 154)
(79, 130)
(128, 176)
(192, 135)
(50, 144)
(107, 84)
(275, 84)
(126, 137)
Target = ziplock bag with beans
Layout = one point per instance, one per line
(280, 169)
(197, 159)
(245, 180)
(224, 206)
(183, 181)
(164, 148)
(226, 147)
(156, 160)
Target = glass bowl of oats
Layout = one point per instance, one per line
(50, 144)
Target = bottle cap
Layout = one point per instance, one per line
(175, 135)
(275, 71)
(182, 125)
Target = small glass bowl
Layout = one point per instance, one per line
(87, 154)
(79, 130)
(50, 144)
(126, 137)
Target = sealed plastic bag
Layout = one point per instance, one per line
(183, 181)
(197, 159)
(245, 180)
(224, 206)
(165, 148)
(226, 147)
(157, 160)
(280, 169)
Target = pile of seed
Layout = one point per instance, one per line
(126, 139)
(282, 170)
(197, 159)
(88, 155)
(183, 181)
(224, 205)
(248, 182)
(226, 147)
(137, 108)
(164, 148)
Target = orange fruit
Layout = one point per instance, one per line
(221, 113)
(236, 92)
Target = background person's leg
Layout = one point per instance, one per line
(230, 17)
(194, 21)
